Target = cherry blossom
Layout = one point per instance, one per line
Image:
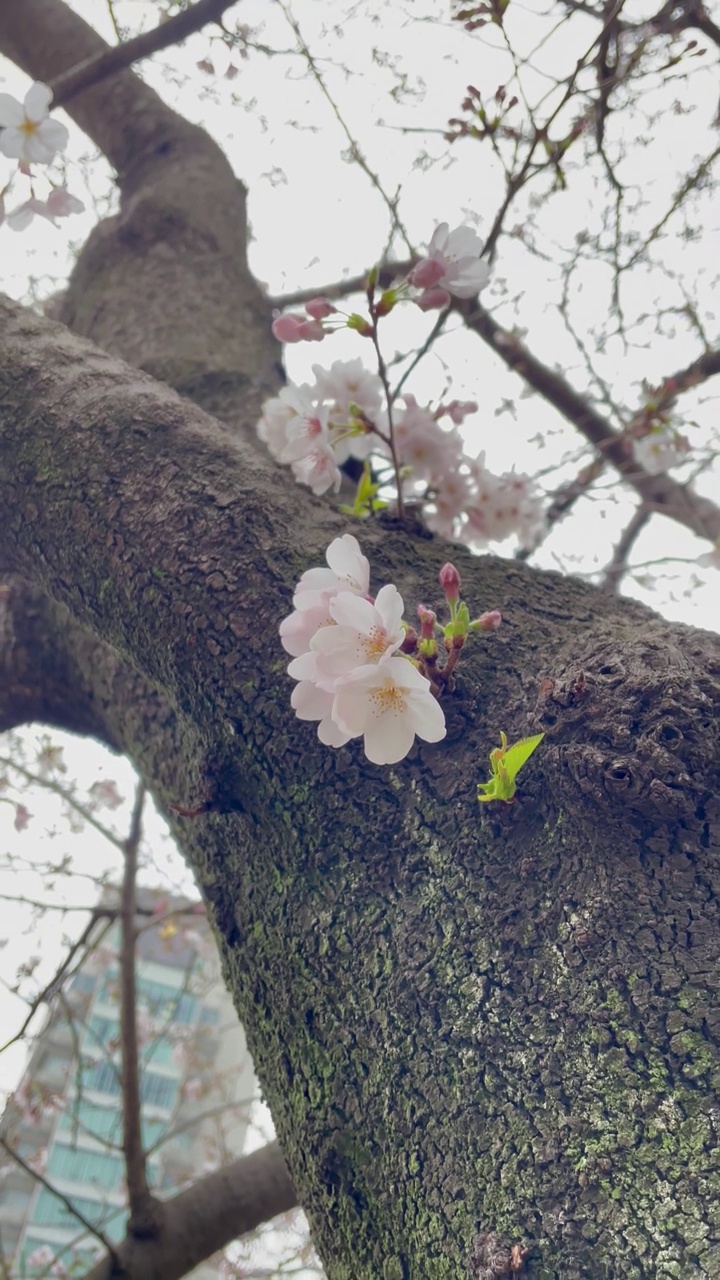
(659, 450)
(364, 634)
(501, 506)
(422, 445)
(26, 132)
(348, 570)
(318, 469)
(453, 263)
(388, 705)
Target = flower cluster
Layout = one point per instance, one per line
(315, 429)
(30, 136)
(361, 671)
(352, 674)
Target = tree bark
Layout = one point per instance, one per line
(468, 1023)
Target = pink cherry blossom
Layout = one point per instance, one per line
(306, 432)
(61, 203)
(458, 410)
(457, 268)
(422, 444)
(26, 132)
(388, 704)
(40, 1257)
(318, 469)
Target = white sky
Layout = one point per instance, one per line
(315, 218)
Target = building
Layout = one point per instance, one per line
(65, 1118)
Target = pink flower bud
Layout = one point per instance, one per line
(319, 308)
(433, 299)
(288, 328)
(487, 621)
(426, 273)
(295, 328)
(449, 580)
(312, 331)
(427, 622)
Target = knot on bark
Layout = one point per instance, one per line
(633, 724)
(492, 1256)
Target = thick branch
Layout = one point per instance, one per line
(97, 68)
(206, 1217)
(125, 118)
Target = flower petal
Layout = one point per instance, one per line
(11, 112)
(37, 102)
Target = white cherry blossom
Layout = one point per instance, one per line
(388, 704)
(364, 633)
(26, 132)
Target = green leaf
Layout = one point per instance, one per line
(505, 764)
(519, 753)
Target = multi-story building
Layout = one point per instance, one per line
(65, 1118)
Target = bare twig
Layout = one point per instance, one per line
(62, 972)
(357, 154)
(143, 1219)
(89, 1226)
(165, 34)
(660, 493)
(618, 566)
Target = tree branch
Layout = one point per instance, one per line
(659, 493)
(143, 1219)
(618, 566)
(206, 1217)
(92, 70)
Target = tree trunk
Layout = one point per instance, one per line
(475, 1027)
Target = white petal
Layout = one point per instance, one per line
(391, 606)
(330, 734)
(439, 239)
(428, 717)
(37, 101)
(309, 702)
(54, 134)
(350, 610)
(11, 112)
(388, 739)
(348, 562)
(21, 218)
(12, 143)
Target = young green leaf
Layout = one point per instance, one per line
(505, 764)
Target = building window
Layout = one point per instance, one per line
(51, 1212)
(103, 1123)
(79, 1165)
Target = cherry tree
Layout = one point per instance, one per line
(487, 1032)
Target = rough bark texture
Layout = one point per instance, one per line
(474, 1028)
